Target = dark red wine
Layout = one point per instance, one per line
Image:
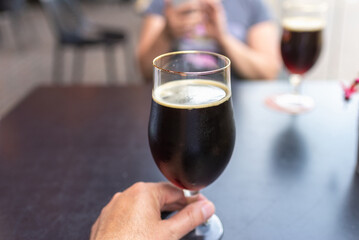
(301, 43)
(191, 131)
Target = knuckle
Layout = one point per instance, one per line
(114, 198)
(172, 234)
(139, 187)
(116, 195)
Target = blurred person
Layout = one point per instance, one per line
(240, 29)
(136, 214)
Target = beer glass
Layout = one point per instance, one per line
(191, 128)
(301, 42)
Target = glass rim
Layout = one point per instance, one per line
(226, 59)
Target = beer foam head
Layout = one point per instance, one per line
(191, 94)
(303, 24)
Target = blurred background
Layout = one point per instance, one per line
(27, 46)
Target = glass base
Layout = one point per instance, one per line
(211, 230)
(291, 103)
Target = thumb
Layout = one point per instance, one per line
(190, 217)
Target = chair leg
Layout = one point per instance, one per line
(78, 65)
(129, 62)
(57, 68)
(110, 61)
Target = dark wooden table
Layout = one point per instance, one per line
(64, 151)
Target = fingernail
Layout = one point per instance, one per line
(207, 209)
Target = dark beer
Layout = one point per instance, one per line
(191, 131)
(301, 43)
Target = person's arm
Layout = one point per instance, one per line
(160, 32)
(259, 58)
(136, 214)
(154, 41)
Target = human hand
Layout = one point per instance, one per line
(136, 214)
(182, 19)
(215, 19)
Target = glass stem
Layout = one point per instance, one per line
(191, 196)
(295, 80)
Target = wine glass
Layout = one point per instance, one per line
(191, 128)
(301, 42)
